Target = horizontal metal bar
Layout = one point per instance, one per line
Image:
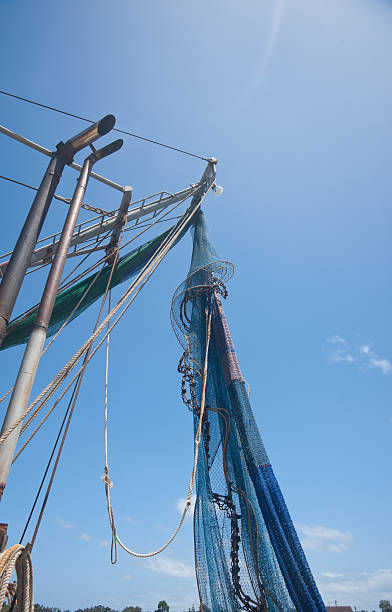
(48, 153)
(99, 228)
(46, 252)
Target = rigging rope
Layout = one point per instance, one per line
(108, 482)
(160, 218)
(17, 557)
(89, 207)
(135, 287)
(57, 110)
(72, 402)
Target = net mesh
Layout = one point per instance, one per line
(247, 553)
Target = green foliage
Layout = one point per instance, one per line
(39, 608)
(162, 606)
(385, 605)
(92, 609)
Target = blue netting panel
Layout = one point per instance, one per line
(248, 556)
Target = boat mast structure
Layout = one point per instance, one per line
(73, 240)
(28, 237)
(248, 557)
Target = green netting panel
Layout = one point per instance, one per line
(127, 266)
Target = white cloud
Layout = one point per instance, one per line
(127, 519)
(85, 538)
(340, 351)
(127, 576)
(103, 543)
(340, 356)
(278, 9)
(170, 567)
(337, 340)
(384, 364)
(364, 590)
(64, 523)
(321, 539)
(180, 505)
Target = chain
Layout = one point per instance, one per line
(99, 211)
(89, 207)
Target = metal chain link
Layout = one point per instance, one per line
(94, 209)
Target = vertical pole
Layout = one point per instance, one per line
(25, 379)
(20, 258)
(118, 224)
(24, 247)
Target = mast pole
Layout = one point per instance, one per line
(25, 379)
(20, 258)
(37, 147)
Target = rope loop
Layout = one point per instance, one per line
(17, 557)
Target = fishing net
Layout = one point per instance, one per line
(83, 294)
(247, 552)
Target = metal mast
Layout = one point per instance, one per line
(20, 258)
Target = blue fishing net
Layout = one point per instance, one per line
(248, 555)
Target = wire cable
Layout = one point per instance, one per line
(99, 211)
(58, 110)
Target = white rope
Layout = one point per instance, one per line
(136, 285)
(108, 482)
(156, 220)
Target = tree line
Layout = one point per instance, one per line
(162, 606)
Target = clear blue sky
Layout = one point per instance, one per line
(295, 101)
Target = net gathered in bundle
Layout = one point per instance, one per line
(247, 553)
(76, 299)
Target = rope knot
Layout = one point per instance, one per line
(106, 479)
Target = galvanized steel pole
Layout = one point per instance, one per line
(37, 147)
(20, 258)
(32, 354)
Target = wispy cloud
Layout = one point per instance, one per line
(361, 589)
(85, 537)
(64, 523)
(170, 567)
(324, 539)
(104, 543)
(127, 519)
(341, 351)
(336, 339)
(383, 364)
(127, 576)
(180, 505)
(272, 38)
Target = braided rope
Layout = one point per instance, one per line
(108, 483)
(138, 284)
(17, 557)
(158, 219)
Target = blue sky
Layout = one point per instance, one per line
(294, 100)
